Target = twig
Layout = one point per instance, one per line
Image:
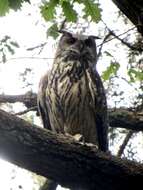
(36, 47)
(101, 45)
(42, 45)
(34, 108)
(132, 47)
(118, 35)
(125, 142)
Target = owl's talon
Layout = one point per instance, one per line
(78, 137)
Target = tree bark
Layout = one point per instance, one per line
(63, 159)
(29, 99)
(123, 118)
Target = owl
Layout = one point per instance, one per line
(71, 97)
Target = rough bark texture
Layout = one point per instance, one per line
(62, 159)
(122, 118)
(133, 10)
(29, 99)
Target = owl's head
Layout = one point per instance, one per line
(80, 46)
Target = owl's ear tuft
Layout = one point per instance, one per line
(94, 37)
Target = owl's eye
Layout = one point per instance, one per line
(71, 40)
(89, 42)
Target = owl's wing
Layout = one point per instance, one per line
(100, 110)
(41, 101)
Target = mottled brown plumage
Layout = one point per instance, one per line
(71, 95)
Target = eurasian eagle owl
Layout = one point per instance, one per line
(71, 96)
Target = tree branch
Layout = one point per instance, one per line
(122, 118)
(129, 45)
(29, 99)
(125, 142)
(62, 159)
(27, 110)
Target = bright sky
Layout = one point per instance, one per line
(28, 29)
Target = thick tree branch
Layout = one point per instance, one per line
(122, 118)
(62, 159)
(29, 99)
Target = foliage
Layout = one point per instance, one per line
(53, 31)
(69, 12)
(112, 68)
(5, 5)
(48, 9)
(7, 46)
(135, 74)
(91, 9)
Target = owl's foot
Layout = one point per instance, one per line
(78, 137)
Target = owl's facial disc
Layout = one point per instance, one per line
(77, 46)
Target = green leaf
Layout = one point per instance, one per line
(3, 57)
(15, 4)
(10, 49)
(92, 9)
(48, 10)
(4, 7)
(135, 75)
(53, 31)
(15, 44)
(69, 12)
(5, 39)
(62, 1)
(110, 71)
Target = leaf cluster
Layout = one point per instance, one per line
(49, 11)
(91, 9)
(6, 5)
(112, 68)
(7, 46)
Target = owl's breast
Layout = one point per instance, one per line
(71, 99)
